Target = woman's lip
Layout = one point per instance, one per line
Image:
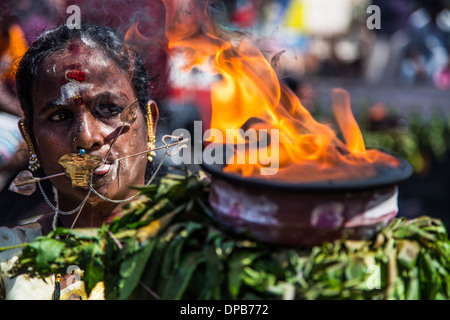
(101, 170)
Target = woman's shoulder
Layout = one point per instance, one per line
(15, 236)
(18, 234)
(24, 233)
(20, 287)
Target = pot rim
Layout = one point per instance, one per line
(386, 177)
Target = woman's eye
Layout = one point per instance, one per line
(109, 110)
(60, 116)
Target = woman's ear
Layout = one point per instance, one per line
(153, 109)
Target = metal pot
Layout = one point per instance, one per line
(305, 214)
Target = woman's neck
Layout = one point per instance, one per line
(93, 214)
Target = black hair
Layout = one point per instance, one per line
(51, 41)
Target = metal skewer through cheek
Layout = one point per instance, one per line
(70, 163)
(36, 179)
(167, 153)
(91, 189)
(166, 146)
(89, 165)
(128, 117)
(72, 166)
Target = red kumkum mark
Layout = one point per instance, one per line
(76, 75)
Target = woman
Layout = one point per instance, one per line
(73, 85)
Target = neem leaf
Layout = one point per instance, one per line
(413, 286)
(131, 270)
(212, 276)
(408, 251)
(90, 258)
(237, 263)
(83, 233)
(193, 259)
(176, 286)
(47, 250)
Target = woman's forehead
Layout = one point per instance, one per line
(77, 56)
(81, 64)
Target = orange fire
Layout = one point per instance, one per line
(250, 95)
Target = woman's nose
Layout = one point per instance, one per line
(87, 134)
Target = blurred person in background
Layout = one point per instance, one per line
(426, 56)
(20, 22)
(13, 46)
(382, 65)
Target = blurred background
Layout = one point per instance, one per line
(398, 77)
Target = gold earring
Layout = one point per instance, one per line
(33, 163)
(151, 136)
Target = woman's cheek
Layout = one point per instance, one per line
(133, 169)
(50, 149)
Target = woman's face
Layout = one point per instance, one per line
(77, 103)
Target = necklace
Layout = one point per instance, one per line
(80, 170)
(99, 287)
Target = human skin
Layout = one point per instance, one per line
(69, 116)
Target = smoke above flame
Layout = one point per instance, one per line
(249, 94)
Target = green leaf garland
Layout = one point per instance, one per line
(169, 246)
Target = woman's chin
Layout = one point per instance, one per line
(107, 190)
(106, 184)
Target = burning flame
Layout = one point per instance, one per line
(249, 89)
